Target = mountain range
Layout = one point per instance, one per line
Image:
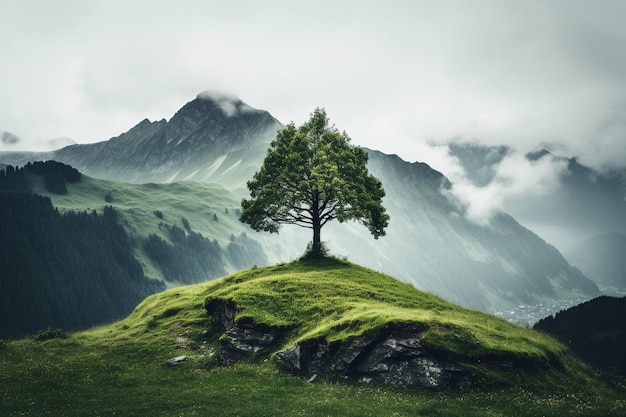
(11, 142)
(584, 217)
(602, 257)
(429, 243)
(210, 139)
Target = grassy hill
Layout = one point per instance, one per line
(145, 209)
(122, 368)
(65, 235)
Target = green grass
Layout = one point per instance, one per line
(199, 203)
(120, 369)
(337, 300)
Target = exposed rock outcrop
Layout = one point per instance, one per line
(242, 338)
(390, 357)
(395, 356)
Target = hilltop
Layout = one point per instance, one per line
(334, 318)
(193, 350)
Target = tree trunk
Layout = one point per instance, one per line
(316, 249)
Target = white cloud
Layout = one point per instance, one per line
(395, 75)
(515, 177)
(603, 144)
(230, 104)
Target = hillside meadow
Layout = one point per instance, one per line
(122, 368)
(205, 208)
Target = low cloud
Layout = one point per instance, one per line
(230, 104)
(510, 176)
(8, 139)
(603, 147)
(9, 142)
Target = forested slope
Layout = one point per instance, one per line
(595, 331)
(69, 270)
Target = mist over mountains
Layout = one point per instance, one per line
(582, 212)
(579, 203)
(11, 142)
(603, 258)
(429, 243)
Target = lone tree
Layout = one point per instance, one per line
(310, 176)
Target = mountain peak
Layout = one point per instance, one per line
(216, 95)
(229, 103)
(537, 154)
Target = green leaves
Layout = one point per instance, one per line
(310, 176)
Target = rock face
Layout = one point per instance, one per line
(242, 338)
(395, 356)
(216, 139)
(389, 358)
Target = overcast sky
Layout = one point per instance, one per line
(395, 75)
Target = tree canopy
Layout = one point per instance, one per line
(310, 176)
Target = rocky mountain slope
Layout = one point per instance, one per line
(209, 139)
(602, 258)
(213, 138)
(584, 204)
(485, 267)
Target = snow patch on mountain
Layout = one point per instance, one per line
(172, 178)
(215, 166)
(191, 175)
(233, 166)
